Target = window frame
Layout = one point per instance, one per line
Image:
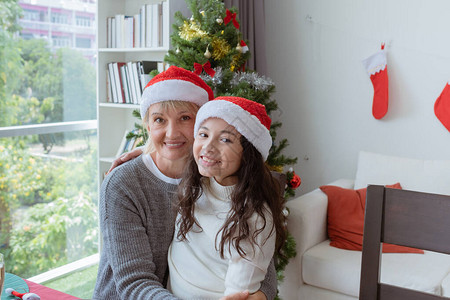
(23, 130)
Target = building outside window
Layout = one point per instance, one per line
(61, 41)
(83, 42)
(59, 18)
(31, 15)
(48, 140)
(83, 21)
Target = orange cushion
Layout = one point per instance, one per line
(346, 219)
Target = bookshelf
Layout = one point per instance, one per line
(114, 119)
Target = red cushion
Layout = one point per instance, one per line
(346, 219)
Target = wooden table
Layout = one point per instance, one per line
(22, 285)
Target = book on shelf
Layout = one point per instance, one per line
(148, 27)
(120, 31)
(131, 83)
(165, 24)
(143, 18)
(128, 145)
(155, 24)
(112, 81)
(125, 83)
(127, 80)
(137, 30)
(108, 32)
(128, 32)
(118, 80)
(108, 87)
(145, 67)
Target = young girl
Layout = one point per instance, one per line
(229, 220)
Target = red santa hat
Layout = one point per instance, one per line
(248, 117)
(244, 46)
(175, 84)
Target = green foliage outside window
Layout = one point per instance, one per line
(48, 211)
(48, 206)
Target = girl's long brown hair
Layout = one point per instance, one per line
(255, 187)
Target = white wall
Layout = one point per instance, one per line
(314, 51)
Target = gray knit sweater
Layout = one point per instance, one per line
(137, 225)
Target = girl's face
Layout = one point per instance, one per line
(171, 132)
(218, 151)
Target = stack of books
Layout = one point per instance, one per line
(130, 144)
(125, 81)
(149, 28)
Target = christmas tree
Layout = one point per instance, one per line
(210, 44)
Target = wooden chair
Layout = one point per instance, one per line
(402, 217)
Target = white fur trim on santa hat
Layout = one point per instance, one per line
(245, 123)
(172, 89)
(376, 62)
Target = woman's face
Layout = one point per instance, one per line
(171, 131)
(218, 151)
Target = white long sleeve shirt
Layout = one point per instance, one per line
(196, 269)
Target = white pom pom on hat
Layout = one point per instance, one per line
(248, 117)
(175, 84)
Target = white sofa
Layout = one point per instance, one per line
(321, 272)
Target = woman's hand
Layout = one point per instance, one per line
(237, 296)
(257, 296)
(125, 157)
(245, 296)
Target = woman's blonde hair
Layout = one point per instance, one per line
(165, 106)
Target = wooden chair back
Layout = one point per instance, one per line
(406, 218)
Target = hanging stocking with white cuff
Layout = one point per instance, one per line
(442, 107)
(376, 67)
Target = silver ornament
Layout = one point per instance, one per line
(207, 54)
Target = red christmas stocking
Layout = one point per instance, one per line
(376, 66)
(442, 107)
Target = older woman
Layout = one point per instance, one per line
(136, 212)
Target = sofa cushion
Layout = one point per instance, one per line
(345, 218)
(445, 286)
(339, 270)
(414, 174)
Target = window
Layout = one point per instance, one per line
(48, 144)
(61, 41)
(31, 15)
(83, 43)
(59, 18)
(83, 21)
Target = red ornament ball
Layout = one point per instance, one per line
(295, 181)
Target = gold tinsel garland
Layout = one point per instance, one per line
(191, 30)
(235, 62)
(278, 169)
(221, 48)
